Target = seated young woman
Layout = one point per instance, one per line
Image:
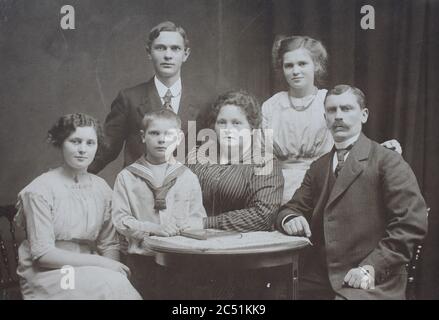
(72, 249)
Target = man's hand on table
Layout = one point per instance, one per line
(297, 226)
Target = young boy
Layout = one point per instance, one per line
(156, 195)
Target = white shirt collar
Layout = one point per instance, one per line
(345, 144)
(162, 89)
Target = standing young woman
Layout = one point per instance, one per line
(296, 116)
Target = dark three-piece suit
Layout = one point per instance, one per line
(372, 214)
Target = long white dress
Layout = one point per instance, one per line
(58, 212)
(300, 137)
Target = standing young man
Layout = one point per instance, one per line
(168, 49)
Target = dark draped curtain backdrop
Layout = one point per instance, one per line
(46, 72)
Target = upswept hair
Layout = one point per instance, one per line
(68, 123)
(160, 114)
(166, 26)
(247, 102)
(342, 88)
(318, 53)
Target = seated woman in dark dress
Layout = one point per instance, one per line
(242, 189)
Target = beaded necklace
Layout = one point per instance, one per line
(305, 105)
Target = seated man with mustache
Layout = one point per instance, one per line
(362, 207)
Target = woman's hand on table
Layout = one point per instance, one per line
(192, 223)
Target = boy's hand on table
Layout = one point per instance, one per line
(165, 230)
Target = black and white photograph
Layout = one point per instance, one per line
(227, 150)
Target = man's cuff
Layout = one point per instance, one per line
(288, 218)
(378, 262)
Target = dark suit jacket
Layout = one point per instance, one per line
(123, 123)
(375, 215)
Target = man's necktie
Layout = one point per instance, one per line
(341, 153)
(167, 100)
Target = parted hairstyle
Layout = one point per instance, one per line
(317, 51)
(247, 102)
(68, 123)
(160, 114)
(165, 26)
(342, 88)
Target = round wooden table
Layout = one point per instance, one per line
(168, 254)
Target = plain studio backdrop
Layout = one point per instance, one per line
(47, 72)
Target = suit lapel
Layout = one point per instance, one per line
(151, 100)
(321, 202)
(186, 111)
(352, 168)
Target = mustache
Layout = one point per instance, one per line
(339, 124)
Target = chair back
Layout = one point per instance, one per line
(412, 274)
(10, 237)
(413, 270)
